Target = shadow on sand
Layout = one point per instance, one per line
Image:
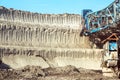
(4, 66)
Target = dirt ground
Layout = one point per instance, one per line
(59, 73)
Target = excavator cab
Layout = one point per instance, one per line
(110, 56)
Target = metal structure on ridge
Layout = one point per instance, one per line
(102, 19)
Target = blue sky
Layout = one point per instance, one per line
(56, 6)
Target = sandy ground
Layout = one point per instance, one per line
(59, 73)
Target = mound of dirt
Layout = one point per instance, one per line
(25, 73)
(59, 73)
(68, 70)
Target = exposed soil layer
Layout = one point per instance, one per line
(59, 73)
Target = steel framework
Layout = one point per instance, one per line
(105, 18)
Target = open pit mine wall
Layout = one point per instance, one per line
(17, 57)
(54, 38)
(56, 20)
(40, 36)
(20, 28)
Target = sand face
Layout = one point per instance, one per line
(19, 61)
(86, 63)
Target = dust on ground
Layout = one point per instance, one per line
(59, 73)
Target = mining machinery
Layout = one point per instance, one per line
(102, 27)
